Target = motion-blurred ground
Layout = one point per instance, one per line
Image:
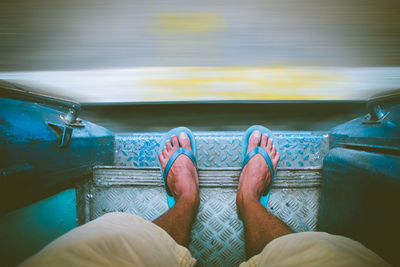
(146, 51)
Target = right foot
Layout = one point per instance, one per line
(256, 176)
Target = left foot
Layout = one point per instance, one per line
(182, 180)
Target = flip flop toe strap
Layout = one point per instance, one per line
(175, 155)
(260, 150)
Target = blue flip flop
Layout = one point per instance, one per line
(175, 155)
(263, 152)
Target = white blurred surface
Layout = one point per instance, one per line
(202, 84)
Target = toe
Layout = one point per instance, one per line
(184, 141)
(264, 140)
(275, 160)
(273, 152)
(168, 145)
(175, 142)
(269, 145)
(254, 140)
(165, 153)
(161, 157)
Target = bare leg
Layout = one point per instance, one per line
(183, 182)
(260, 226)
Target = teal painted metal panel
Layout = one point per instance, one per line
(25, 231)
(31, 161)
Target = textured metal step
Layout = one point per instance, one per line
(106, 176)
(222, 149)
(134, 185)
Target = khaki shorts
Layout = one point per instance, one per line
(121, 239)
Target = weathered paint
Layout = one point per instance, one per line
(360, 189)
(25, 231)
(360, 193)
(31, 161)
(383, 136)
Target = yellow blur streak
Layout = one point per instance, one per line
(187, 22)
(243, 83)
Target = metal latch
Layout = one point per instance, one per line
(64, 134)
(71, 118)
(376, 114)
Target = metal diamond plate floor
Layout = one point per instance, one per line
(222, 149)
(217, 235)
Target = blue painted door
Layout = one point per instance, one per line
(360, 190)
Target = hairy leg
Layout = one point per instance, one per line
(183, 183)
(260, 226)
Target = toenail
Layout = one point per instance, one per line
(257, 134)
(182, 136)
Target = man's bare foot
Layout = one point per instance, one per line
(183, 183)
(256, 176)
(260, 226)
(182, 178)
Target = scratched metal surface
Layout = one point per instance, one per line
(222, 149)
